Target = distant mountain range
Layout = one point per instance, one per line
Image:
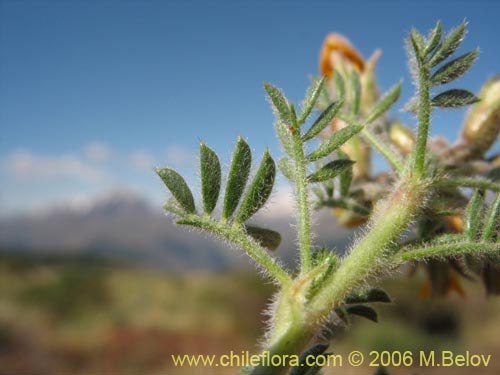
(124, 227)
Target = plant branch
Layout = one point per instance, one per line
(389, 221)
(236, 235)
(424, 116)
(302, 201)
(470, 183)
(447, 249)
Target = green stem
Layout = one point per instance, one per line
(470, 183)
(236, 235)
(392, 218)
(302, 202)
(424, 117)
(447, 249)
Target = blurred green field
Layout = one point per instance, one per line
(83, 316)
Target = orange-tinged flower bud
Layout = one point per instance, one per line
(348, 218)
(336, 50)
(454, 224)
(402, 137)
(482, 125)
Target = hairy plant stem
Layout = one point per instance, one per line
(371, 255)
(424, 116)
(237, 236)
(470, 183)
(302, 202)
(446, 250)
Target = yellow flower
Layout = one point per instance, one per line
(337, 49)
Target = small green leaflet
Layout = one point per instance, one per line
(210, 177)
(237, 178)
(330, 170)
(454, 98)
(178, 187)
(335, 141)
(259, 190)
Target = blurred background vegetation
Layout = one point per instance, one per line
(81, 315)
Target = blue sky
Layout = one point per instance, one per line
(94, 94)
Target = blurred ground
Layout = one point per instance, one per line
(83, 316)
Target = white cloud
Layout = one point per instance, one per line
(179, 156)
(97, 151)
(141, 160)
(25, 164)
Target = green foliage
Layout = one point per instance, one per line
(334, 142)
(345, 177)
(266, 238)
(73, 292)
(454, 69)
(331, 170)
(368, 296)
(323, 120)
(424, 194)
(339, 85)
(384, 104)
(285, 137)
(473, 215)
(434, 39)
(286, 167)
(310, 100)
(280, 104)
(448, 45)
(492, 223)
(210, 177)
(356, 93)
(178, 187)
(363, 311)
(237, 178)
(259, 190)
(427, 56)
(454, 98)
